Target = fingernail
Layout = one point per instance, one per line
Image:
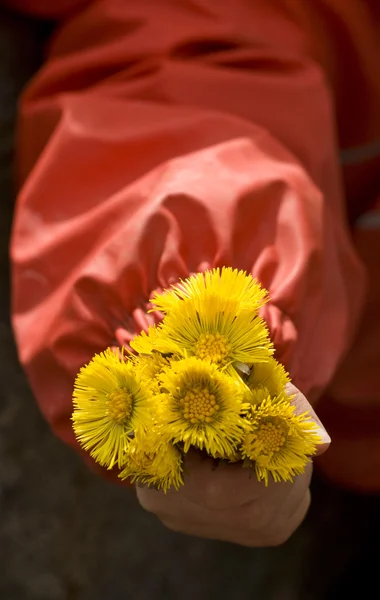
(325, 438)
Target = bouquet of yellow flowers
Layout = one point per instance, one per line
(204, 378)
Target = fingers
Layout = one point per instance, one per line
(257, 524)
(218, 488)
(215, 489)
(228, 503)
(268, 519)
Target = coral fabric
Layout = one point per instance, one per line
(163, 137)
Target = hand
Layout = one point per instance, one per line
(228, 503)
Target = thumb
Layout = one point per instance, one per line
(302, 406)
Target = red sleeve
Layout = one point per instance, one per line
(161, 138)
(47, 9)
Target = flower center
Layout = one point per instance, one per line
(271, 436)
(199, 405)
(213, 347)
(119, 405)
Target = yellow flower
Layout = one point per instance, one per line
(149, 367)
(152, 460)
(109, 404)
(225, 283)
(270, 375)
(279, 442)
(150, 342)
(210, 329)
(202, 406)
(256, 396)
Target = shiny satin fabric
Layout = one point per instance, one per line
(162, 138)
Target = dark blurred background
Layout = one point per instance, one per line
(67, 535)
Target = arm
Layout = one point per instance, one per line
(158, 140)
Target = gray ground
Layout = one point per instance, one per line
(66, 534)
